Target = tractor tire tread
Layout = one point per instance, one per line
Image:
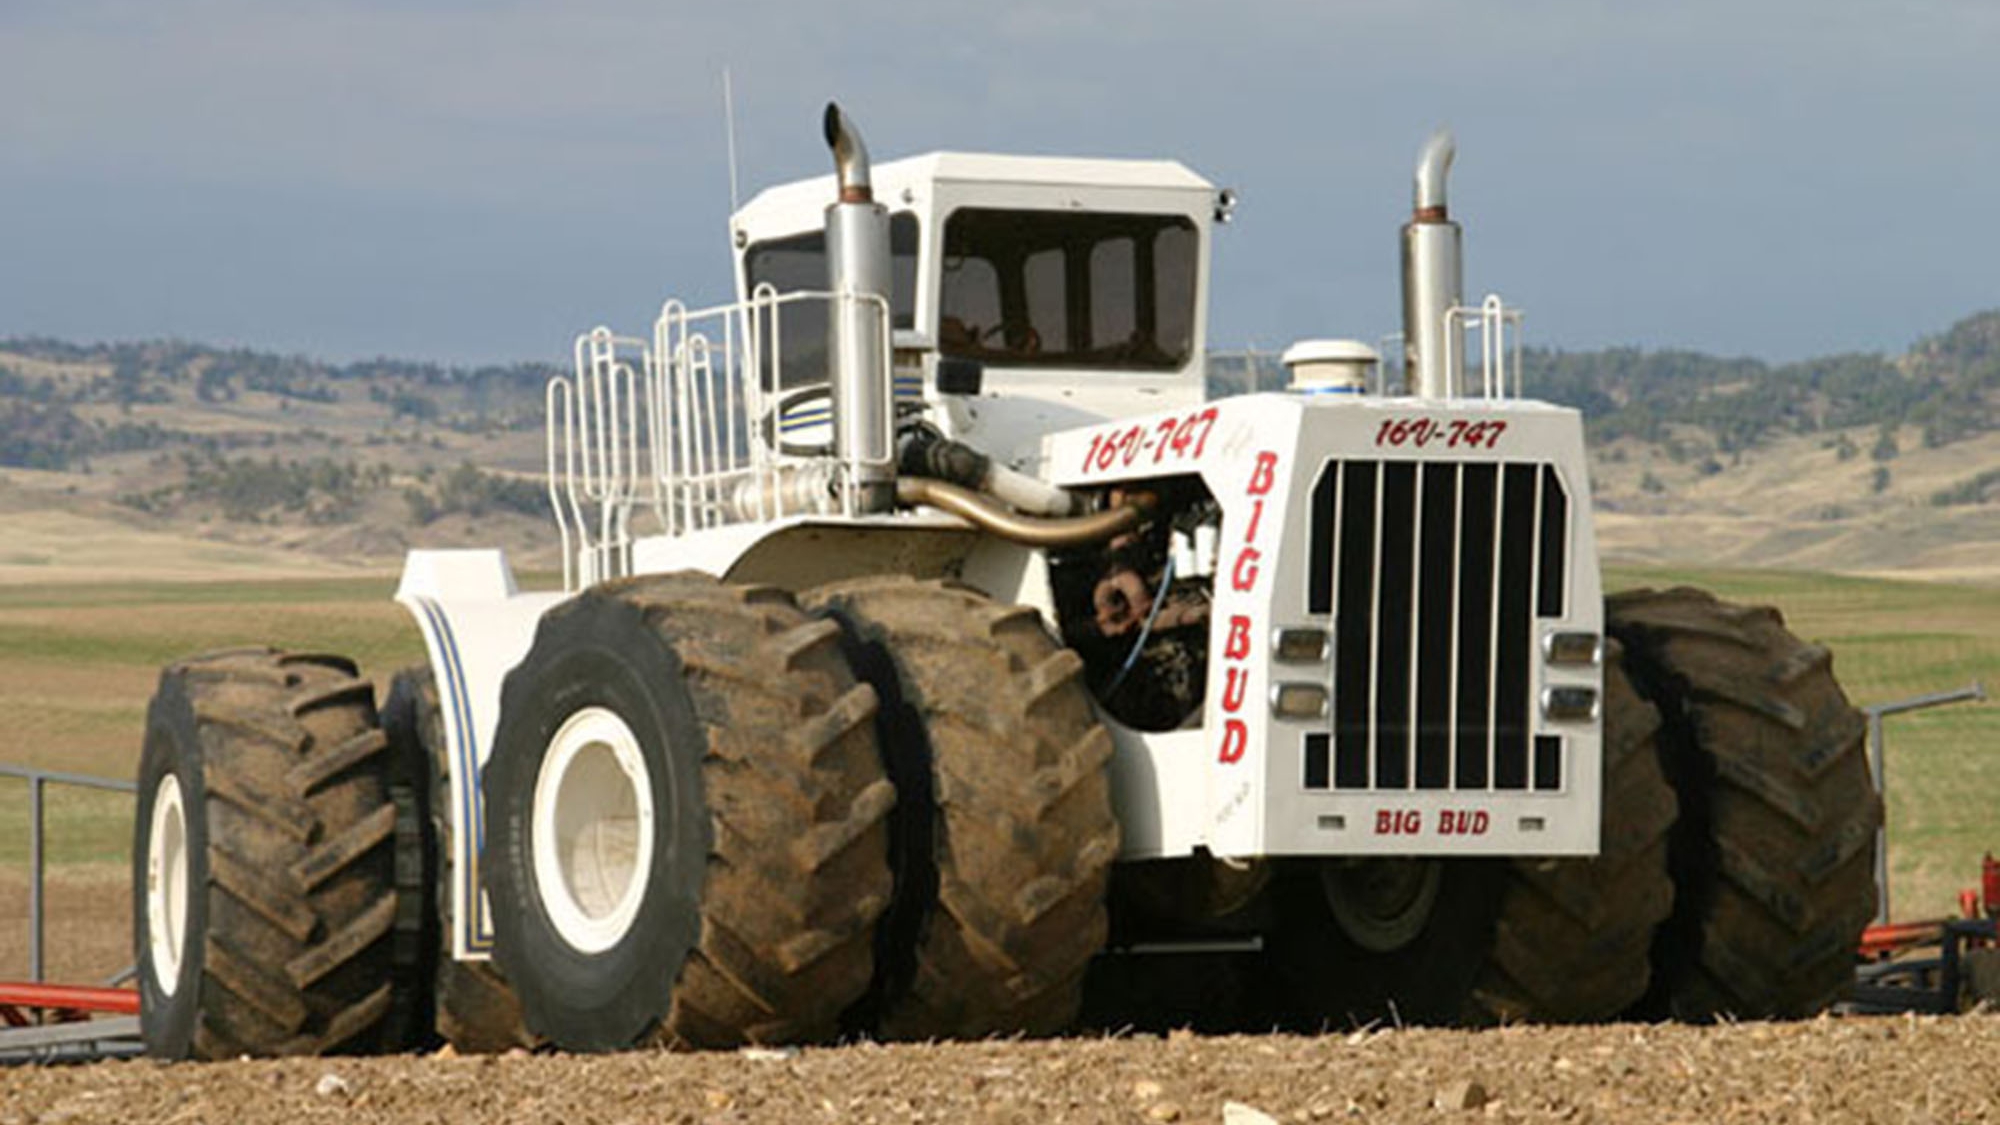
(1022, 831)
(796, 779)
(267, 722)
(1772, 857)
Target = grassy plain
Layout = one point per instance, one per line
(78, 663)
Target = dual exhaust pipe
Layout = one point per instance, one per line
(858, 273)
(1433, 275)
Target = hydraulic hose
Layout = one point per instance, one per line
(1031, 531)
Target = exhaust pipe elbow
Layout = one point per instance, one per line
(1433, 165)
(850, 156)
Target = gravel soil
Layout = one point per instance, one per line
(1889, 1069)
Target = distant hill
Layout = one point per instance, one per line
(1947, 388)
(1847, 462)
(346, 463)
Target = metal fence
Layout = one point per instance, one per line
(38, 782)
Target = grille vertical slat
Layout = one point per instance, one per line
(1354, 585)
(1475, 627)
(1438, 576)
(1395, 578)
(1433, 574)
(1513, 630)
(1551, 580)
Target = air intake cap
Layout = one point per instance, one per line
(1330, 367)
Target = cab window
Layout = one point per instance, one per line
(1060, 289)
(799, 263)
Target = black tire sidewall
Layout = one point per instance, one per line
(173, 748)
(597, 651)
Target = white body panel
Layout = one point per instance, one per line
(1251, 796)
(476, 627)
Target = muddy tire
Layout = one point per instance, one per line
(687, 826)
(1575, 936)
(469, 1003)
(263, 860)
(1007, 837)
(1772, 856)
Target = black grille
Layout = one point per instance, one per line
(1434, 574)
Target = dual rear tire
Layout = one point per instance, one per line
(690, 827)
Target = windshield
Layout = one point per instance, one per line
(798, 263)
(1061, 289)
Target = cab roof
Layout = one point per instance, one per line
(912, 176)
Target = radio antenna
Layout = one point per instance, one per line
(729, 127)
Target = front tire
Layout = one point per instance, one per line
(1575, 936)
(263, 865)
(1772, 857)
(687, 820)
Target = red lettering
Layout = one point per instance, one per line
(1237, 646)
(1472, 822)
(1244, 574)
(1398, 822)
(1233, 687)
(1235, 740)
(1256, 517)
(1264, 475)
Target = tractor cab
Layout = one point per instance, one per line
(1028, 294)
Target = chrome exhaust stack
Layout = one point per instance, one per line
(858, 273)
(1433, 276)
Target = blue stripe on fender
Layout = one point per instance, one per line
(464, 754)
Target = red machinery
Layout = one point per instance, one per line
(1896, 975)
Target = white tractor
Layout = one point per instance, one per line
(935, 658)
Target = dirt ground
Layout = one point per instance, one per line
(1890, 1069)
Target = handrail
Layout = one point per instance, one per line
(1493, 319)
(37, 780)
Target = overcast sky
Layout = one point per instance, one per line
(469, 180)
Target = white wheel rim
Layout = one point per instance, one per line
(592, 829)
(167, 885)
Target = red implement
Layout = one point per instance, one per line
(63, 1002)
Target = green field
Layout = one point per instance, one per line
(78, 662)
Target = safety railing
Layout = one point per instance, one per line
(593, 450)
(689, 426)
(1496, 323)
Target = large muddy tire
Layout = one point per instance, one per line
(1575, 936)
(263, 865)
(687, 820)
(1772, 857)
(1007, 838)
(470, 1004)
